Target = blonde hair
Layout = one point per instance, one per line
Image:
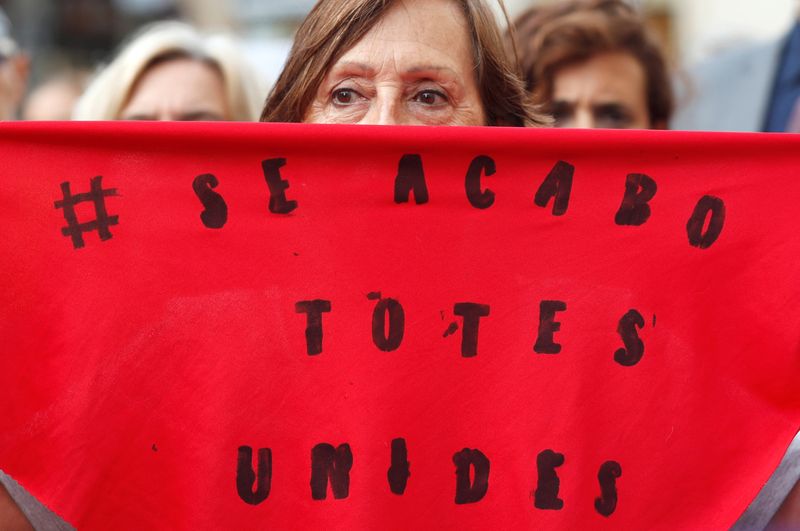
(111, 88)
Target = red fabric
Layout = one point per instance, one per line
(132, 369)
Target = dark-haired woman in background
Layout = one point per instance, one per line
(593, 64)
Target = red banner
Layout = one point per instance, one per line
(246, 325)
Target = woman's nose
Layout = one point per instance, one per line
(583, 119)
(384, 111)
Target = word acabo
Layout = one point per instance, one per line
(330, 466)
(703, 227)
(388, 327)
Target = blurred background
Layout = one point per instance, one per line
(81, 34)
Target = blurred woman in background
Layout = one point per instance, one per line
(55, 98)
(593, 64)
(170, 71)
(14, 70)
(406, 62)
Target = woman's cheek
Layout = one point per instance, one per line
(432, 115)
(350, 113)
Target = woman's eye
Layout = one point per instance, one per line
(612, 116)
(560, 118)
(345, 96)
(561, 113)
(430, 97)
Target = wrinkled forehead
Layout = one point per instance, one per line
(434, 32)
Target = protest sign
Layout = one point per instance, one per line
(288, 326)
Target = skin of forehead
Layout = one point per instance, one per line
(177, 87)
(439, 25)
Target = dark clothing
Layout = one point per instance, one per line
(786, 86)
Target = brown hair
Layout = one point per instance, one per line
(335, 26)
(551, 37)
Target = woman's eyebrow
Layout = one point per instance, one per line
(611, 106)
(139, 116)
(353, 66)
(441, 70)
(201, 115)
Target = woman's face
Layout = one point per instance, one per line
(414, 67)
(180, 89)
(606, 91)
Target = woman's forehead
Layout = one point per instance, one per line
(416, 33)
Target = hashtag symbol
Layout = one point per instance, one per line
(102, 221)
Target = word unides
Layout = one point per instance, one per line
(388, 327)
(703, 227)
(331, 466)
